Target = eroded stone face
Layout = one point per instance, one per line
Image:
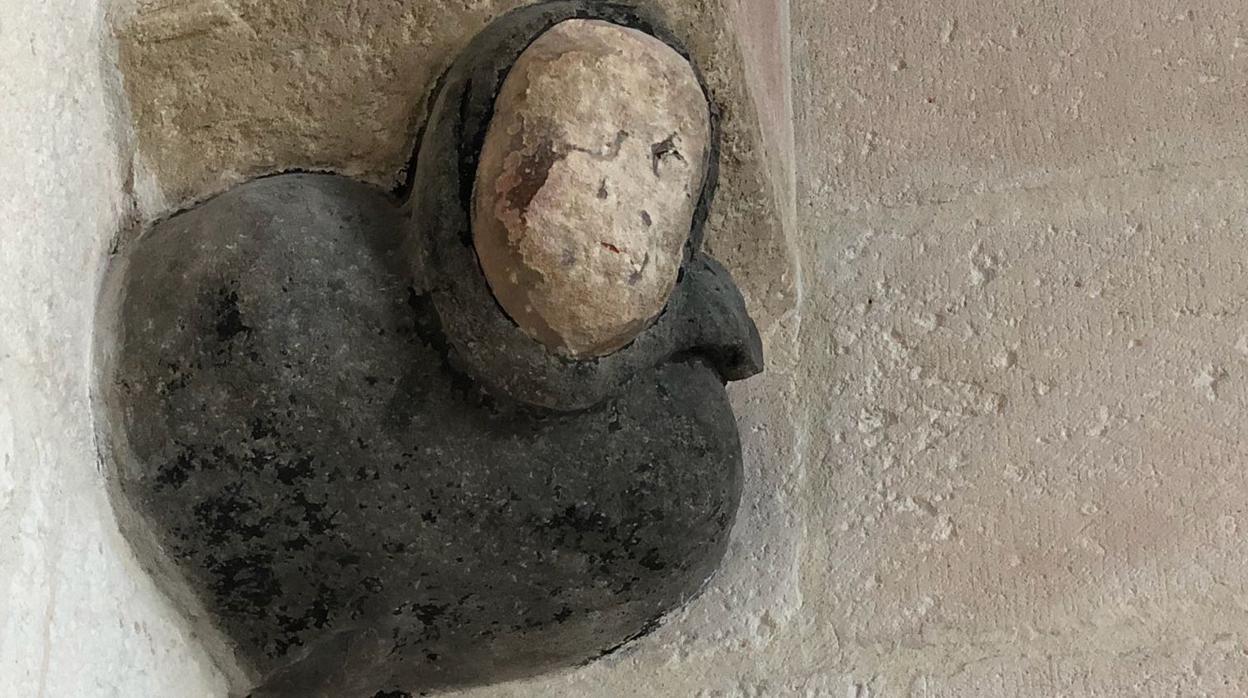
(587, 184)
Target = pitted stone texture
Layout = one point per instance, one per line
(587, 184)
(354, 515)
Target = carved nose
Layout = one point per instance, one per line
(718, 327)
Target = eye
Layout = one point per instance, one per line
(663, 150)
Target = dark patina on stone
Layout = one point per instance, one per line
(705, 312)
(365, 488)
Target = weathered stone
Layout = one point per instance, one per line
(587, 184)
(301, 469)
(359, 486)
(220, 92)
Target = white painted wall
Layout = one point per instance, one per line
(76, 616)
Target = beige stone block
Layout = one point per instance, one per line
(1028, 407)
(902, 101)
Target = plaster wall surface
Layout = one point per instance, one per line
(77, 617)
(998, 451)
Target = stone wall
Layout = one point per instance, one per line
(997, 451)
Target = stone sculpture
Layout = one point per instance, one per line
(358, 475)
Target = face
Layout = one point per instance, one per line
(587, 184)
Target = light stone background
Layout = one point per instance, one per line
(997, 452)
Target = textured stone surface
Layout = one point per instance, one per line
(221, 91)
(706, 315)
(587, 183)
(212, 102)
(1106, 560)
(297, 461)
